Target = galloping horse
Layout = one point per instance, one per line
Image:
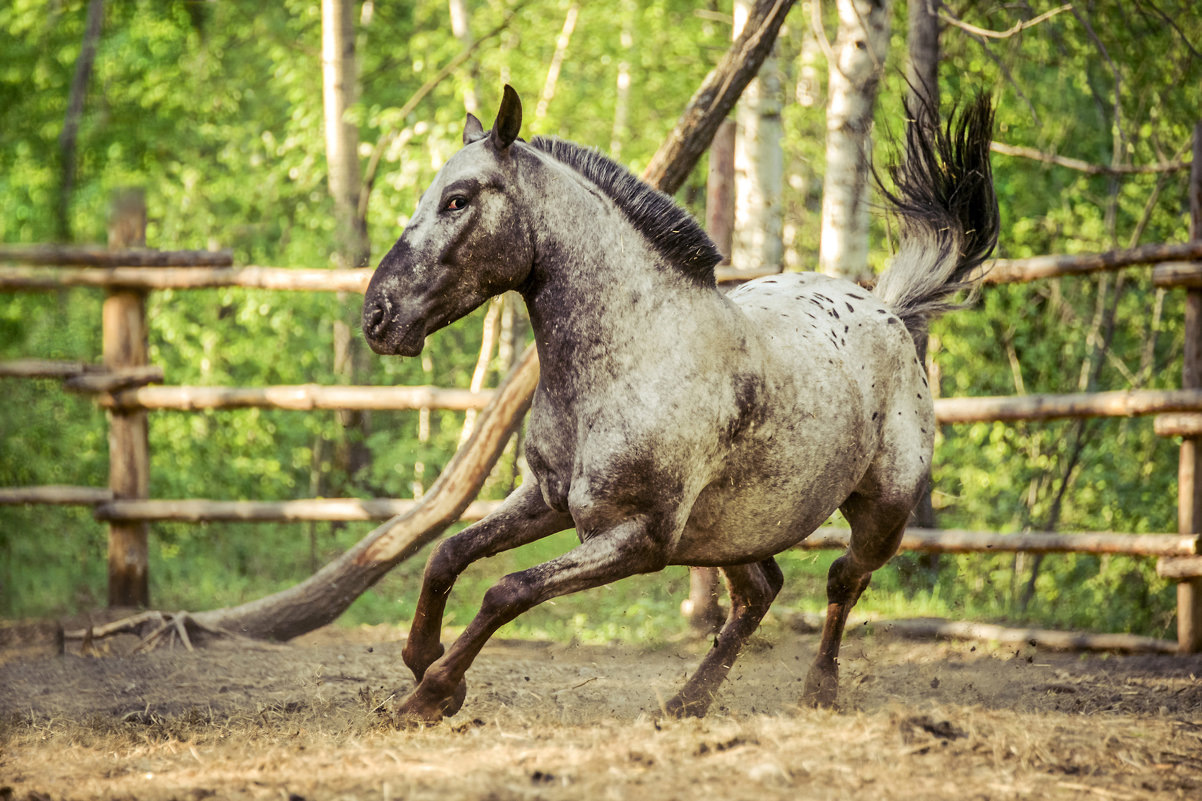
(674, 424)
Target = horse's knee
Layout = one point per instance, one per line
(508, 598)
(846, 581)
(773, 575)
(442, 568)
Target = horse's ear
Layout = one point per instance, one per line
(473, 131)
(509, 120)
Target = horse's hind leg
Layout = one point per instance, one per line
(876, 531)
(752, 588)
(522, 518)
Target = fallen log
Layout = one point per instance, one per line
(939, 628)
(326, 594)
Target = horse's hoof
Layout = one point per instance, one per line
(418, 710)
(453, 704)
(821, 689)
(680, 707)
(411, 716)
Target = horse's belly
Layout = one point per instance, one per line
(765, 508)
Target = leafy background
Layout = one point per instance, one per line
(215, 109)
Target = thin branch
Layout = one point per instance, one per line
(1086, 167)
(820, 32)
(1016, 28)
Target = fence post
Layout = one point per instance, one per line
(1189, 474)
(126, 345)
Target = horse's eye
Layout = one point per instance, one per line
(456, 203)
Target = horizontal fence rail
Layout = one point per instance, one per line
(199, 510)
(104, 256)
(1121, 403)
(141, 269)
(302, 397)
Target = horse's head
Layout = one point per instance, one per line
(463, 245)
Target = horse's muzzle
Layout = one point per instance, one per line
(386, 337)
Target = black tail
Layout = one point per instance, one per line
(944, 200)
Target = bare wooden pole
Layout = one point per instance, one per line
(941, 540)
(1118, 403)
(149, 269)
(126, 346)
(1189, 471)
(98, 256)
(298, 397)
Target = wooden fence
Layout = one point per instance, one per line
(122, 384)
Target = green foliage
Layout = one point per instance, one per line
(216, 109)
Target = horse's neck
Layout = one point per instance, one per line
(603, 302)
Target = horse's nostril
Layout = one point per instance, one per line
(373, 319)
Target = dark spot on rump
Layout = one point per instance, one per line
(850, 307)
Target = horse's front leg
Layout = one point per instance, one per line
(624, 550)
(524, 517)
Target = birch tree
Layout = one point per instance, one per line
(339, 90)
(759, 165)
(855, 71)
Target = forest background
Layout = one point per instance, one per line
(215, 109)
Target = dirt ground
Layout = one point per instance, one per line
(919, 720)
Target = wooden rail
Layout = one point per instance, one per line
(303, 397)
(55, 495)
(197, 510)
(190, 270)
(200, 510)
(109, 256)
(1012, 408)
(148, 278)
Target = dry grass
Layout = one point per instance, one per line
(921, 721)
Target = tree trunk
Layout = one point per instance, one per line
(75, 104)
(339, 80)
(922, 72)
(759, 165)
(716, 96)
(628, 10)
(860, 49)
(461, 28)
(324, 596)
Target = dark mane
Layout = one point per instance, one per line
(671, 230)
